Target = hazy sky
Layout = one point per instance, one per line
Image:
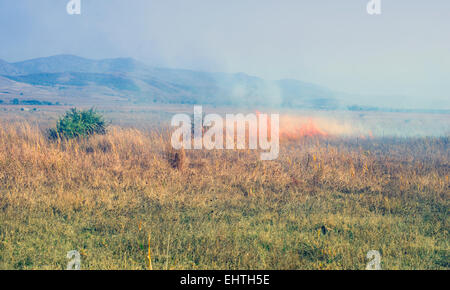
(405, 51)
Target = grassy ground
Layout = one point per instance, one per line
(323, 204)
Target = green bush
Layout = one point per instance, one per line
(78, 123)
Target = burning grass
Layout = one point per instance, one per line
(323, 204)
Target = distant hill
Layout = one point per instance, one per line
(125, 80)
(8, 69)
(72, 63)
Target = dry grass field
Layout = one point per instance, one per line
(323, 204)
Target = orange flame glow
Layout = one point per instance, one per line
(294, 128)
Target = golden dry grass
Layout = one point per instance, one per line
(323, 204)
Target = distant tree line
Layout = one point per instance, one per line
(30, 102)
(394, 110)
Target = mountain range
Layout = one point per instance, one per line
(75, 80)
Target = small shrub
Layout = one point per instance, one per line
(78, 123)
(176, 158)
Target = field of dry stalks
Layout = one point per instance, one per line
(323, 204)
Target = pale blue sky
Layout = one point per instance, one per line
(404, 52)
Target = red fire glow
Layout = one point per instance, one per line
(293, 129)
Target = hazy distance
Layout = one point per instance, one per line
(400, 58)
